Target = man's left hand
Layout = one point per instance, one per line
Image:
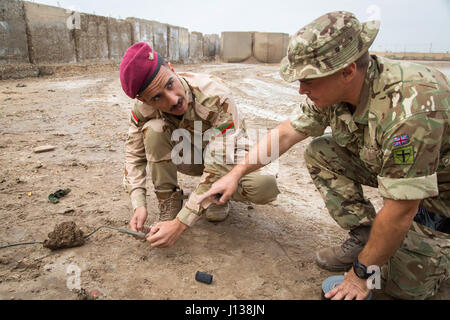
(351, 288)
(165, 234)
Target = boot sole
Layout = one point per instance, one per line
(333, 268)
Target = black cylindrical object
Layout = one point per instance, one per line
(203, 277)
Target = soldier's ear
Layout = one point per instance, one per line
(171, 67)
(349, 72)
(140, 99)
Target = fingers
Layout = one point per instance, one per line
(140, 225)
(207, 194)
(332, 292)
(133, 224)
(154, 230)
(224, 198)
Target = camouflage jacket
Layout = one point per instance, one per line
(210, 106)
(400, 130)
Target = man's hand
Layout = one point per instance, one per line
(165, 234)
(222, 190)
(351, 288)
(138, 219)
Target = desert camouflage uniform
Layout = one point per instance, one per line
(211, 111)
(399, 141)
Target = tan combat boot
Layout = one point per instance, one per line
(340, 258)
(170, 203)
(217, 213)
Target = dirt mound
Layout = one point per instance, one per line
(65, 235)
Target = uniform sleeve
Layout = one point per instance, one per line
(135, 165)
(228, 143)
(308, 120)
(411, 151)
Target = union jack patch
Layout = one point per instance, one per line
(401, 140)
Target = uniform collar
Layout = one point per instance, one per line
(361, 114)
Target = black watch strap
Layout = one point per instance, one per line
(360, 270)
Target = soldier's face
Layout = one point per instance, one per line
(166, 92)
(324, 92)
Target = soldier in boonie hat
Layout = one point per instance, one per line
(389, 122)
(327, 45)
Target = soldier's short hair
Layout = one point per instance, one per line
(363, 62)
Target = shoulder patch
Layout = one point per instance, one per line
(404, 155)
(134, 119)
(401, 140)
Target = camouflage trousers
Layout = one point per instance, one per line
(422, 262)
(254, 187)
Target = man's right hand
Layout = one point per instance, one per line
(138, 219)
(222, 190)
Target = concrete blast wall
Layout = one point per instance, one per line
(13, 35)
(35, 38)
(211, 45)
(270, 47)
(236, 46)
(183, 40)
(173, 44)
(91, 39)
(49, 38)
(119, 38)
(196, 46)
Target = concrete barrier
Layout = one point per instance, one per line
(195, 46)
(50, 40)
(91, 39)
(119, 38)
(13, 35)
(270, 47)
(160, 38)
(141, 31)
(173, 45)
(236, 46)
(183, 41)
(211, 45)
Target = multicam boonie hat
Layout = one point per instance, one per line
(326, 45)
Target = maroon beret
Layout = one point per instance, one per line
(138, 68)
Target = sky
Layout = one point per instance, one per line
(406, 25)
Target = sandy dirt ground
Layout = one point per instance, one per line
(258, 252)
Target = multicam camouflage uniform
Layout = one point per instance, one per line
(398, 140)
(211, 109)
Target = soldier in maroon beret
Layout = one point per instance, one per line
(182, 105)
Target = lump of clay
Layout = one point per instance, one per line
(65, 235)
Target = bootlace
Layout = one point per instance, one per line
(351, 242)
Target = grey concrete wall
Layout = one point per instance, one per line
(35, 38)
(211, 45)
(141, 31)
(13, 36)
(160, 38)
(236, 46)
(119, 38)
(91, 40)
(173, 44)
(49, 38)
(195, 46)
(270, 47)
(183, 41)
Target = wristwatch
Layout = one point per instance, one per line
(361, 270)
